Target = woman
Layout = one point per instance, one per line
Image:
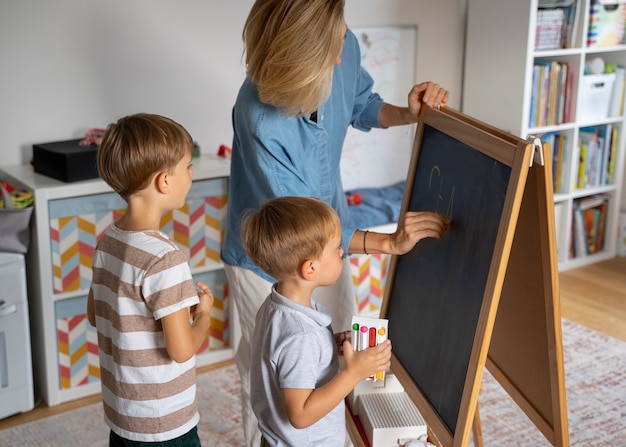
(304, 87)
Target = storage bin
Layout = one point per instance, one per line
(15, 221)
(607, 19)
(596, 96)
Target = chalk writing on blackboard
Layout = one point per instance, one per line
(447, 209)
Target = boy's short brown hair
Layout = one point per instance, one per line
(286, 231)
(138, 146)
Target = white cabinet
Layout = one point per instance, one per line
(67, 221)
(498, 89)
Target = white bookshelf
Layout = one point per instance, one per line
(497, 86)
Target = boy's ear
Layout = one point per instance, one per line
(308, 269)
(161, 182)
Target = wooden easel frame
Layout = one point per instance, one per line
(524, 255)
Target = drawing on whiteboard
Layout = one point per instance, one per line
(381, 157)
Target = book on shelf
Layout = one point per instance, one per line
(559, 207)
(589, 224)
(550, 27)
(551, 89)
(611, 158)
(557, 21)
(595, 146)
(558, 144)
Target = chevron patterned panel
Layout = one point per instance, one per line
(369, 274)
(77, 342)
(218, 336)
(77, 224)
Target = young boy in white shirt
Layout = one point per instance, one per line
(297, 388)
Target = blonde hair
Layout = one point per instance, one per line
(138, 146)
(291, 47)
(286, 231)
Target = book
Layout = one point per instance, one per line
(601, 226)
(579, 234)
(589, 224)
(550, 25)
(532, 120)
(606, 149)
(611, 156)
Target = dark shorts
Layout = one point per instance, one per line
(189, 439)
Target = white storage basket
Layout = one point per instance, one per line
(596, 96)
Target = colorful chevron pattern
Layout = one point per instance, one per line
(77, 224)
(77, 343)
(369, 274)
(197, 228)
(218, 335)
(77, 340)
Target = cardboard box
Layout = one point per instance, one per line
(66, 160)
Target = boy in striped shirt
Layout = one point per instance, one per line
(150, 317)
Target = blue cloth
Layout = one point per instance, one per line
(278, 156)
(378, 206)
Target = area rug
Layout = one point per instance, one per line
(595, 382)
(220, 419)
(595, 379)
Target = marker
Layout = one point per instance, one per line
(382, 336)
(372, 342)
(355, 336)
(363, 338)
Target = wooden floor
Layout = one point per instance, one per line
(593, 296)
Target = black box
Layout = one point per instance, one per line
(66, 160)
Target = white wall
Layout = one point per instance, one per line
(68, 65)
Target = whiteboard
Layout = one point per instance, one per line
(381, 157)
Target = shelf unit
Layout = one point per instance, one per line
(497, 86)
(67, 221)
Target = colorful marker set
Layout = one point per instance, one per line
(368, 332)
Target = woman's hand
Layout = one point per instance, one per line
(426, 93)
(415, 226)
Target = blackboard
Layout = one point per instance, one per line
(441, 297)
(440, 285)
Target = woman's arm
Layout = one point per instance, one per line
(412, 228)
(425, 93)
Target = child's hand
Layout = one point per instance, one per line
(363, 364)
(340, 337)
(206, 301)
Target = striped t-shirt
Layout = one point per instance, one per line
(138, 278)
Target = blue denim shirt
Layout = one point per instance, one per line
(276, 156)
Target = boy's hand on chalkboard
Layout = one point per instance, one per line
(363, 364)
(415, 226)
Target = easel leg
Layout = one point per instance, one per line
(476, 430)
